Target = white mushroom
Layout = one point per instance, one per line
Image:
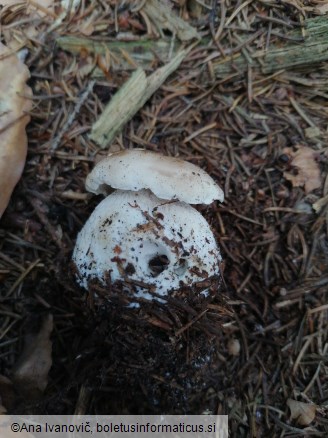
(145, 233)
(166, 177)
(137, 236)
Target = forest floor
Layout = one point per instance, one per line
(258, 349)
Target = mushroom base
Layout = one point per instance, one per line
(146, 370)
(135, 294)
(156, 358)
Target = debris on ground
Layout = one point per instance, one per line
(253, 86)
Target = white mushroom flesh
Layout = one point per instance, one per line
(139, 237)
(167, 177)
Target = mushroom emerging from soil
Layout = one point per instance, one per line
(146, 232)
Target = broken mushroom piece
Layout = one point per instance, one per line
(145, 233)
(138, 237)
(167, 177)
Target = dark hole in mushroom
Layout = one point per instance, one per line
(158, 264)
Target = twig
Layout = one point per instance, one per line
(129, 99)
(80, 101)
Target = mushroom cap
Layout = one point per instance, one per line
(137, 236)
(167, 177)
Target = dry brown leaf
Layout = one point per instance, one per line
(303, 413)
(308, 169)
(163, 17)
(13, 120)
(31, 372)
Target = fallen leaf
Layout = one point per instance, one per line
(308, 171)
(13, 119)
(30, 375)
(303, 413)
(163, 17)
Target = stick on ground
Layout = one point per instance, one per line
(129, 99)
